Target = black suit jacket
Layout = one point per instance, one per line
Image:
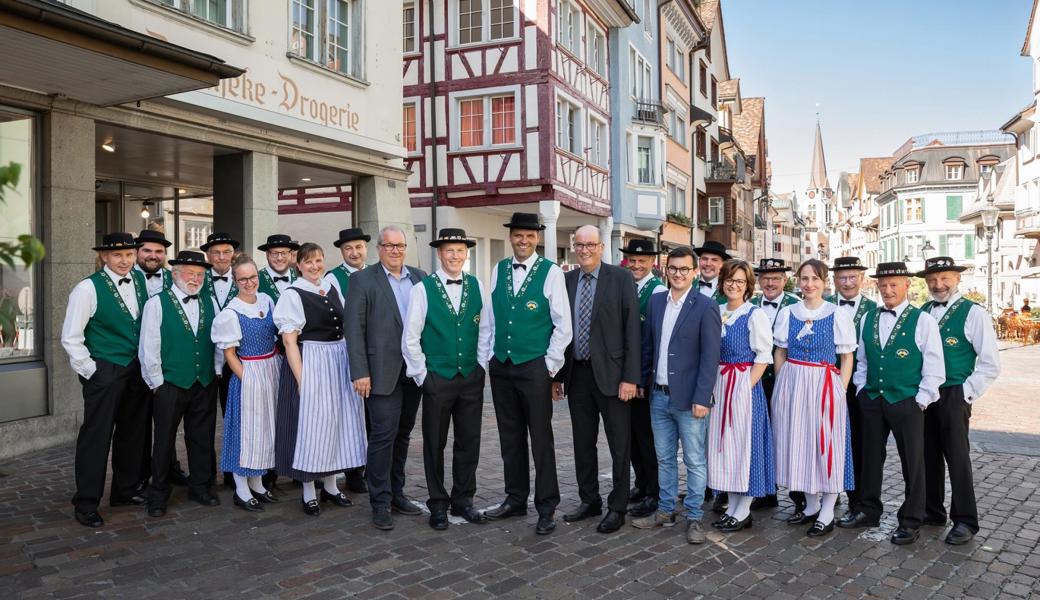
(374, 327)
(614, 338)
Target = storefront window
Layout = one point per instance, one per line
(184, 216)
(19, 291)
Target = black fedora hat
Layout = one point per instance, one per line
(771, 265)
(117, 241)
(215, 239)
(713, 247)
(848, 262)
(891, 269)
(522, 220)
(640, 247)
(153, 237)
(452, 235)
(351, 234)
(940, 264)
(191, 258)
(278, 240)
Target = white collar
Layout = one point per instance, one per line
(213, 272)
(138, 268)
(857, 298)
(528, 263)
(301, 283)
(778, 299)
(736, 314)
(802, 312)
(404, 272)
(444, 277)
(682, 299)
(115, 277)
(953, 298)
(263, 303)
(899, 307)
(645, 280)
(181, 294)
(270, 271)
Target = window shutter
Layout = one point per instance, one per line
(954, 206)
(900, 212)
(943, 246)
(969, 246)
(922, 201)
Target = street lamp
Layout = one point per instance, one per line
(989, 221)
(926, 248)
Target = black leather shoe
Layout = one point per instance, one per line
(733, 525)
(721, 503)
(612, 522)
(439, 520)
(403, 505)
(800, 518)
(135, 500)
(267, 497)
(205, 499)
(177, 476)
(505, 511)
(905, 535)
(636, 495)
(355, 481)
(935, 521)
(469, 513)
(644, 508)
(311, 508)
(819, 529)
(381, 519)
(89, 518)
(251, 505)
(960, 534)
(856, 520)
(546, 525)
(765, 502)
(339, 498)
(157, 511)
(584, 511)
(722, 521)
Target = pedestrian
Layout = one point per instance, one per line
(1026, 309)
(531, 324)
(376, 309)
(320, 422)
(180, 364)
(245, 332)
(680, 361)
(447, 339)
(600, 376)
(972, 363)
(810, 422)
(740, 439)
(640, 256)
(899, 368)
(277, 275)
(100, 335)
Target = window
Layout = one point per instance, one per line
(716, 210)
(984, 168)
(955, 246)
(912, 175)
(409, 27)
(597, 54)
(503, 120)
(670, 54)
(229, 14)
(568, 30)
(568, 132)
(680, 66)
(471, 123)
(914, 210)
(680, 131)
(326, 33)
(702, 144)
(645, 160)
(954, 207)
(485, 20)
(647, 13)
(954, 172)
(597, 142)
(778, 247)
(703, 75)
(408, 129)
(714, 93)
(642, 76)
(673, 203)
(485, 121)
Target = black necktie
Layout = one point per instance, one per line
(150, 275)
(284, 278)
(188, 299)
(124, 280)
(519, 266)
(773, 304)
(220, 277)
(454, 281)
(704, 283)
(889, 311)
(846, 303)
(936, 303)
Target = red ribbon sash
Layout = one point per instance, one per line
(826, 409)
(729, 371)
(266, 356)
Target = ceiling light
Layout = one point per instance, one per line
(152, 173)
(108, 146)
(182, 191)
(144, 210)
(305, 179)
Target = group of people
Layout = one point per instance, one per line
(320, 373)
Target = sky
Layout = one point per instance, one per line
(881, 72)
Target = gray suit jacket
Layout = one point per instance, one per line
(374, 328)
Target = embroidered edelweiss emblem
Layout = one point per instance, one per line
(476, 319)
(531, 305)
(902, 353)
(642, 317)
(951, 341)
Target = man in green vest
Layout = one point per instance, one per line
(278, 274)
(972, 363)
(180, 364)
(899, 368)
(531, 321)
(709, 263)
(640, 256)
(447, 339)
(100, 334)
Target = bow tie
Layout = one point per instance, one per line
(889, 311)
(284, 278)
(773, 304)
(150, 275)
(705, 283)
(124, 280)
(519, 266)
(188, 299)
(846, 303)
(220, 277)
(454, 281)
(937, 303)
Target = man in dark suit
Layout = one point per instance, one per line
(377, 302)
(680, 362)
(600, 374)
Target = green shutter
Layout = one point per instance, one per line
(923, 203)
(954, 206)
(943, 246)
(969, 246)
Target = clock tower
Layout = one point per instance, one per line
(819, 197)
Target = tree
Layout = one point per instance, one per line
(26, 250)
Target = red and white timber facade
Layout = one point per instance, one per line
(506, 109)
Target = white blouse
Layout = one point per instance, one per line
(288, 313)
(226, 331)
(844, 328)
(760, 336)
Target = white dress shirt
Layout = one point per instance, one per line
(335, 281)
(845, 308)
(150, 351)
(82, 306)
(418, 305)
(843, 329)
(154, 284)
(707, 290)
(221, 288)
(555, 291)
(672, 308)
(978, 329)
(645, 280)
(288, 313)
(227, 331)
(280, 285)
(772, 311)
(926, 336)
(760, 332)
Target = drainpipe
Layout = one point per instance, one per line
(433, 129)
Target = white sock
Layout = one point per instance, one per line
(242, 488)
(308, 491)
(742, 508)
(812, 504)
(329, 483)
(257, 485)
(827, 508)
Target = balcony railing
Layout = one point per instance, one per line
(722, 170)
(649, 112)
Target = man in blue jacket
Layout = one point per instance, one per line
(680, 362)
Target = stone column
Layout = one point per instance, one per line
(380, 202)
(550, 213)
(245, 196)
(606, 227)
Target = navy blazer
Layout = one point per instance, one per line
(693, 351)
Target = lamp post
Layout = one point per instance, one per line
(926, 248)
(989, 221)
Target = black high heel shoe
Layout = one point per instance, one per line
(251, 505)
(267, 497)
(800, 518)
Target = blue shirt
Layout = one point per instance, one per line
(402, 289)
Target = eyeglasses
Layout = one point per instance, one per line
(279, 253)
(394, 247)
(245, 280)
(735, 282)
(684, 271)
(578, 246)
(847, 278)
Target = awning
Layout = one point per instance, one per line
(699, 116)
(57, 50)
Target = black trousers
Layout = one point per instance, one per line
(905, 421)
(222, 392)
(197, 405)
(522, 395)
(587, 405)
(392, 419)
(946, 444)
(767, 388)
(644, 456)
(115, 417)
(856, 429)
(456, 402)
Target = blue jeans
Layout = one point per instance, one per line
(670, 426)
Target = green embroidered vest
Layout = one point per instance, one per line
(865, 305)
(449, 339)
(187, 356)
(209, 291)
(267, 285)
(894, 371)
(112, 334)
(644, 296)
(523, 323)
(717, 295)
(958, 353)
(342, 276)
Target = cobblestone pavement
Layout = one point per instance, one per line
(203, 552)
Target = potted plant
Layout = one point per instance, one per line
(678, 217)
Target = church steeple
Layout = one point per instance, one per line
(818, 177)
